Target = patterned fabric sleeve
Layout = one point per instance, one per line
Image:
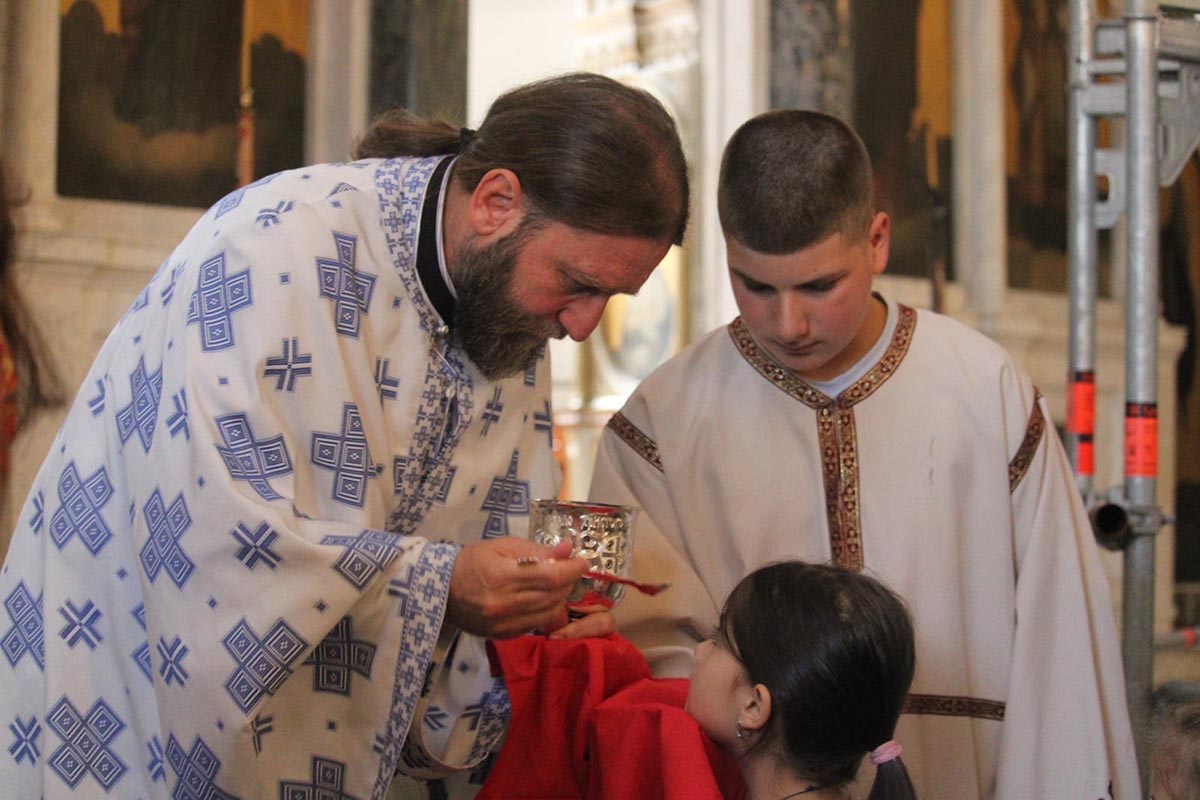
(210, 527)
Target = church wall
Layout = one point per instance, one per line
(81, 263)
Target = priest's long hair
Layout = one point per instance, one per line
(835, 650)
(590, 152)
(38, 386)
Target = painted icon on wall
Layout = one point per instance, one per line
(150, 90)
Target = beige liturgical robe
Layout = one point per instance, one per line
(938, 471)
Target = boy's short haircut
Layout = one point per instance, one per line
(790, 179)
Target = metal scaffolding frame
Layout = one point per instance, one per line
(1144, 68)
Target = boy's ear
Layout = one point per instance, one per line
(497, 205)
(879, 237)
(756, 708)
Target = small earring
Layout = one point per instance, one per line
(739, 732)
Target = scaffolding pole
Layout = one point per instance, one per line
(1146, 70)
(1082, 248)
(1141, 363)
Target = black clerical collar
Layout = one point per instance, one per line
(429, 269)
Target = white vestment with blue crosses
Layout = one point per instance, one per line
(230, 575)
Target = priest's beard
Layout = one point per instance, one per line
(496, 334)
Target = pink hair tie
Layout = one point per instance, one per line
(886, 752)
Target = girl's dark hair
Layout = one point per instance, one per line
(835, 649)
(790, 179)
(37, 382)
(590, 153)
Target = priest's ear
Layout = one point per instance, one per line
(498, 204)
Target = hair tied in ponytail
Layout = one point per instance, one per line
(465, 136)
(887, 751)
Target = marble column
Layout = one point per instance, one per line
(29, 102)
(980, 217)
(734, 81)
(337, 96)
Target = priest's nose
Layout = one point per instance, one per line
(581, 316)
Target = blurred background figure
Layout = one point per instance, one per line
(1175, 759)
(28, 382)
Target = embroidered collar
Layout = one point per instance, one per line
(802, 390)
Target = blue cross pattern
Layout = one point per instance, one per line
(82, 501)
(347, 457)
(197, 771)
(25, 740)
(400, 464)
(262, 664)
(286, 368)
(260, 726)
(385, 383)
(168, 293)
(142, 412)
(328, 780)
(338, 657)
(270, 216)
(256, 545)
(162, 549)
(436, 718)
(495, 711)
(157, 764)
(172, 655)
(96, 403)
(492, 411)
(364, 556)
(506, 496)
(543, 421)
(39, 511)
(178, 421)
(81, 624)
(85, 748)
(140, 302)
(253, 460)
(215, 300)
(349, 289)
(141, 657)
(229, 202)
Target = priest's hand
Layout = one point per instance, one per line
(494, 596)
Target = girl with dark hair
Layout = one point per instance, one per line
(805, 675)
(27, 383)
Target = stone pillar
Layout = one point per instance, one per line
(734, 83)
(29, 102)
(337, 96)
(980, 218)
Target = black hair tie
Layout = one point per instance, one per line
(465, 137)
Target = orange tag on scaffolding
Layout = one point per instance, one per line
(1141, 440)
(1081, 404)
(1085, 457)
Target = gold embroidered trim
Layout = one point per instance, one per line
(865, 386)
(952, 706)
(801, 390)
(836, 430)
(839, 465)
(1033, 436)
(632, 435)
